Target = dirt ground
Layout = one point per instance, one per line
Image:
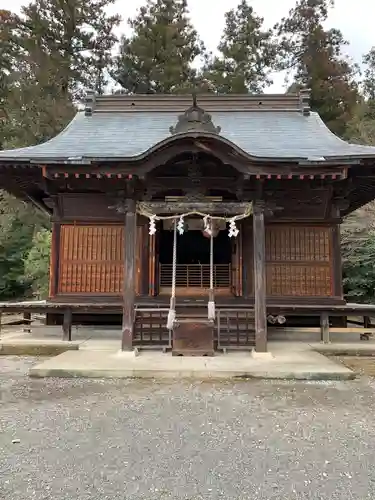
(363, 365)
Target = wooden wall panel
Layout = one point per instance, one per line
(299, 261)
(88, 207)
(91, 259)
(299, 203)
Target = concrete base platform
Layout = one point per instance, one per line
(293, 364)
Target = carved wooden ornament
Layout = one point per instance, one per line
(195, 119)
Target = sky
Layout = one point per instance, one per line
(354, 19)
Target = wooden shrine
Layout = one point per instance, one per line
(264, 172)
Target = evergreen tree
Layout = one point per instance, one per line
(8, 52)
(247, 54)
(158, 57)
(70, 42)
(358, 229)
(18, 221)
(48, 55)
(359, 270)
(368, 86)
(34, 109)
(61, 47)
(37, 263)
(14, 248)
(315, 55)
(361, 129)
(369, 80)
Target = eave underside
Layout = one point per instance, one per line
(354, 186)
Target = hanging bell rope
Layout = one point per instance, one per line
(142, 209)
(211, 298)
(172, 305)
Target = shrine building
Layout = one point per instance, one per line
(195, 222)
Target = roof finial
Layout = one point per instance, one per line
(195, 119)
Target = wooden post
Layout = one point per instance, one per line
(324, 328)
(27, 322)
(337, 263)
(67, 325)
(54, 260)
(260, 277)
(130, 236)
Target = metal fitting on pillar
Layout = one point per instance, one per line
(272, 320)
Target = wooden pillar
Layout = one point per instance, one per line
(67, 325)
(130, 236)
(54, 261)
(259, 277)
(338, 290)
(27, 322)
(324, 328)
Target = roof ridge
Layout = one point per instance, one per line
(178, 103)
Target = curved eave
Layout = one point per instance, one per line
(169, 141)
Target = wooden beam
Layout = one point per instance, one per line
(130, 234)
(227, 208)
(260, 277)
(343, 329)
(43, 208)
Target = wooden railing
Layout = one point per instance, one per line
(150, 328)
(234, 327)
(195, 275)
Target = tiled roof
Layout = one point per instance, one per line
(261, 132)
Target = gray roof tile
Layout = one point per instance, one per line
(270, 134)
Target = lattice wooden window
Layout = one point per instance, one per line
(299, 261)
(91, 259)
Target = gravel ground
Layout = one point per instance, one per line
(99, 440)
